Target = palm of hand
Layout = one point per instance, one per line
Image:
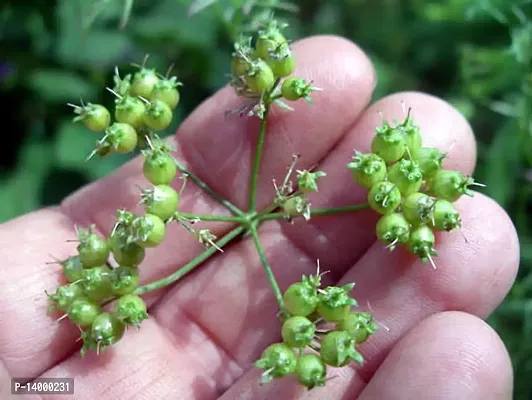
(205, 333)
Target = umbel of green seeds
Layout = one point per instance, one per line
(392, 229)
(406, 175)
(384, 197)
(334, 302)
(277, 360)
(367, 169)
(388, 143)
(311, 371)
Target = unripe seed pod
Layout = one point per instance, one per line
(300, 299)
(158, 115)
(406, 175)
(159, 167)
(412, 136)
(295, 206)
(294, 89)
(282, 61)
(277, 360)
(451, 185)
(120, 138)
(94, 116)
(298, 332)
(421, 244)
(334, 302)
(130, 110)
(446, 217)
(166, 91)
(131, 309)
(268, 41)
(152, 230)
(388, 143)
(418, 208)
(360, 325)
(430, 160)
(338, 349)
(384, 197)
(392, 229)
(311, 371)
(259, 77)
(161, 200)
(106, 330)
(367, 169)
(143, 82)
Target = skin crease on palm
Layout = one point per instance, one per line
(205, 332)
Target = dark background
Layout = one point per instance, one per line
(474, 53)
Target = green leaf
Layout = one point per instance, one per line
(60, 85)
(199, 5)
(169, 20)
(501, 164)
(73, 144)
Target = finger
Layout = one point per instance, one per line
(150, 364)
(30, 338)
(34, 341)
(461, 358)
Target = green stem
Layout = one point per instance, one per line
(202, 185)
(206, 217)
(257, 161)
(267, 268)
(319, 211)
(185, 269)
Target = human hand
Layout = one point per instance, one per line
(205, 332)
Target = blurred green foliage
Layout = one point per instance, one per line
(477, 54)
